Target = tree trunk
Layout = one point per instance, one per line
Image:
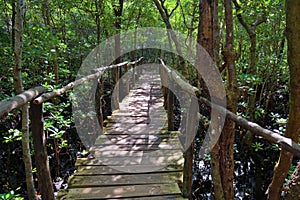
(228, 132)
(40, 146)
(165, 16)
(47, 20)
(207, 38)
(293, 125)
(18, 44)
(118, 10)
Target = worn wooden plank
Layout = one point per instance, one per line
(124, 148)
(123, 179)
(134, 129)
(126, 137)
(149, 190)
(140, 161)
(161, 197)
(145, 141)
(132, 168)
(81, 162)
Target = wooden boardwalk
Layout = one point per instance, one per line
(135, 158)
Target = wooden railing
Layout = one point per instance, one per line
(284, 142)
(36, 97)
(169, 77)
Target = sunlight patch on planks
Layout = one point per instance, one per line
(134, 143)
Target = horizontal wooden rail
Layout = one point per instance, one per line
(191, 120)
(283, 142)
(9, 104)
(96, 73)
(172, 74)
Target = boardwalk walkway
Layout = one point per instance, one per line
(135, 158)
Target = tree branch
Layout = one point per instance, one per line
(163, 14)
(177, 4)
(241, 19)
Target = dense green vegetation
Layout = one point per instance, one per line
(58, 35)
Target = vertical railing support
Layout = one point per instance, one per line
(41, 158)
(191, 128)
(170, 107)
(127, 81)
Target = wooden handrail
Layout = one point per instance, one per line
(254, 128)
(96, 73)
(36, 117)
(191, 119)
(9, 104)
(172, 74)
(284, 142)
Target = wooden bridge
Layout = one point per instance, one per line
(136, 157)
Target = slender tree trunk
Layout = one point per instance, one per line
(251, 31)
(118, 10)
(293, 125)
(18, 44)
(165, 16)
(100, 85)
(228, 132)
(207, 39)
(47, 20)
(99, 12)
(40, 147)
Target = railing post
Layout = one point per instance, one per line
(41, 156)
(170, 106)
(127, 81)
(191, 119)
(98, 101)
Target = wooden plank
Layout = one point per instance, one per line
(139, 128)
(129, 148)
(126, 137)
(137, 191)
(113, 170)
(139, 160)
(63, 195)
(134, 120)
(161, 197)
(123, 179)
(163, 143)
(160, 133)
(166, 155)
(101, 162)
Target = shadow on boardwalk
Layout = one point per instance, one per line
(135, 158)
